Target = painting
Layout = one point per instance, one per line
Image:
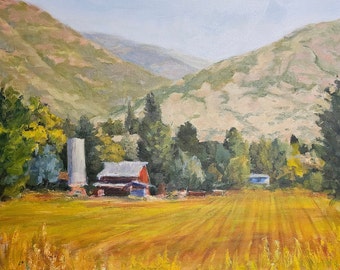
(169, 135)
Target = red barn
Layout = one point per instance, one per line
(124, 178)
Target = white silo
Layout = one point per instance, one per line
(76, 162)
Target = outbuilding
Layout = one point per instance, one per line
(124, 178)
(259, 179)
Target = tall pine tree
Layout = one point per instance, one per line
(155, 144)
(330, 128)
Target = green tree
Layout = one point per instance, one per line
(214, 159)
(110, 151)
(330, 129)
(278, 158)
(131, 123)
(130, 147)
(234, 143)
(187, 138)
(186, 172)
(238, 169)
(269, 157)
(260, 156)
(113, 128)
(152, 109)
(15, 148)
(86, 130)
(45, 167)
(69, 128)
(24, 133)
(155, 144)
(45, 127)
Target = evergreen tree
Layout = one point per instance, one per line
(131, 122)
(278, 158)
(187, 138)
(330, 129)
(155, 144)
(152, 110)
(86, 130)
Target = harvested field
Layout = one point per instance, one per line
(245, 229)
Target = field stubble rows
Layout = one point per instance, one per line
(200, 233)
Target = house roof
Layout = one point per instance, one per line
(122, 169)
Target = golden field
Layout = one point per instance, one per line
(251, 229)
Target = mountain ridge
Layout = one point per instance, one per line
(158, 60)
(274, 91)
(41, 56)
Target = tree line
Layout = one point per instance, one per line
(33, 149)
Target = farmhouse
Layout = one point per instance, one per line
(124, 178)
(259, 179)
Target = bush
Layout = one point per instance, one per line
(314, 181)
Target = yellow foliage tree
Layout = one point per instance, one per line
(46, 126)
(111, 151)
(295, 166)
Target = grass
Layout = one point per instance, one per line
(258, 229)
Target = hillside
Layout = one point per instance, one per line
(160, 61)
(274, 91)
(40, 56)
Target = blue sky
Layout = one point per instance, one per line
(214, 29)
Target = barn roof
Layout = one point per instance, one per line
(122, 169)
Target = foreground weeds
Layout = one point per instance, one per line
(39, 254)
(299, 256)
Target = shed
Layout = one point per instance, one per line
(124, 178)
(259, 179)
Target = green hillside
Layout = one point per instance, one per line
(40, 56)
(274, 91)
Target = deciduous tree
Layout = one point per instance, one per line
(45, 167)
(15, 148)
(238, 169)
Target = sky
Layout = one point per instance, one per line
(210, 29)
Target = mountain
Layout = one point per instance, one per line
(274, 91)
(40, 56)
(160, 61)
